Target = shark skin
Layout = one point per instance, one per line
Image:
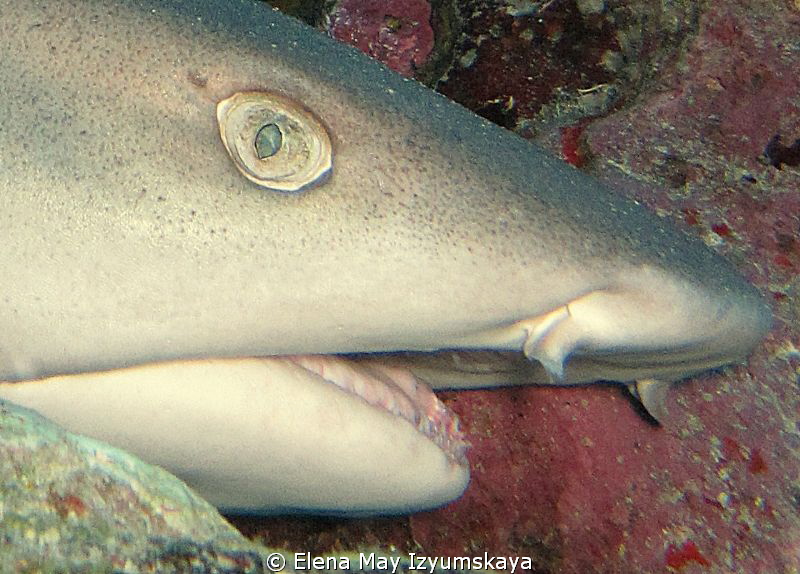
(158, 297)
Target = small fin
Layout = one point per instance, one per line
(652, 393)
(551, 358)
(548, 343)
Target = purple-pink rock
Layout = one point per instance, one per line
(397, 32)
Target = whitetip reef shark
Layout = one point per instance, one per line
(239, 250)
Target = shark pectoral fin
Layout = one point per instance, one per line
(652, 393)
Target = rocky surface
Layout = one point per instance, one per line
(71, 504)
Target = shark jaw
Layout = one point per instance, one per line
(317, 434)
(363, 433)
(350, 435)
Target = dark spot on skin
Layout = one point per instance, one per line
(197, 79)
(777, 155)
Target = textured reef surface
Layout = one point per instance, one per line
(72, 504)
(692, 110)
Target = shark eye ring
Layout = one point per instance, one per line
(274, 141)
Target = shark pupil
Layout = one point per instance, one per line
(268, 142)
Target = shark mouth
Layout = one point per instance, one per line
(394, 389)
(323, 433)
(382, 385)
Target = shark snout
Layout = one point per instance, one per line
(734, 322)
(663, 326)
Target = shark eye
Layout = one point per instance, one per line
(274, 141)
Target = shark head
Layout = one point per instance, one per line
(208, 234)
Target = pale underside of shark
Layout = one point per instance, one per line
(239, 250)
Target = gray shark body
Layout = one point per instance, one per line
(157, 296)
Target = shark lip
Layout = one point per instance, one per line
(393, 389)
(481, 368)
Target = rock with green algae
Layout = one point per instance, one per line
(72, 504)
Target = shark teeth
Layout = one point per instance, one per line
(396, 390)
